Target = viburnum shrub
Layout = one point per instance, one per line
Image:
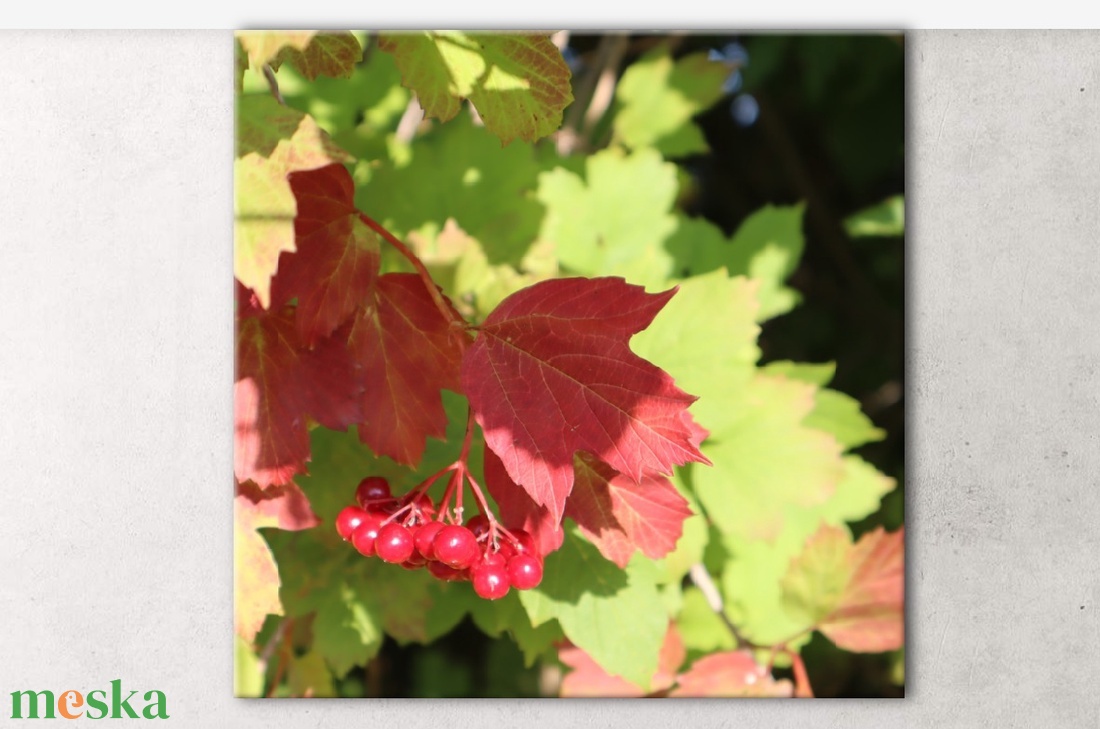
(449, 350)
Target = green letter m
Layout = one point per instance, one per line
(32, 704)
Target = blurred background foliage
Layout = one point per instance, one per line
(811, 120)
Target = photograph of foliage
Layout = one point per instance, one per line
(569, 365)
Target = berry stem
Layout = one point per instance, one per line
(444, 503)
(802, 688)
(457, 322)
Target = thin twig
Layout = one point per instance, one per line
(705, 583)
(605, 86)
(272, 644)
(274, 84)
(457, 323)
(410, 121)
(284, 657)
(585, 88)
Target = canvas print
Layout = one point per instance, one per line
(569, 364)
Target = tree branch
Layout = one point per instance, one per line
(705, 583)
(273, 83)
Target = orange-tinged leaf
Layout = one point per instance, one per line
(870, 616)
(730, 674)
(255, 574)
(519, 83)
(551, 373)
(337, 258)
(854, 594)
(406, 352)
(332, 54)
(621, 516)
(588, 680)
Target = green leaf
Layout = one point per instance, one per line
(752, 574)
(814, 585)
(765, 460)
(519, 84)
(858, 494)
(309, 676)
(711, 356)
(839, 414)
(885, 220)
(751, 590)
(347, 631)
(360, 112)
(451, 602)
(815, 374)
(591, 598)
(507, 616)
(834, 412)
(659, 97)
(272, 141)
(700, 628)
(248, 674)
(767, 247)
(457, 172)
(607, 223)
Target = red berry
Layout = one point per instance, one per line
(491, 557)
(347, 520)
(490, 581)
(395, 543)
(372, 489)
(364, 536)
(424, 536)
(524, 571)
(423, 505)
(414, 562)
(455, 546)
(525, 543)
(478, 525)
(384, 507)
(447, 574)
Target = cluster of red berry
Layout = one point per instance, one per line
(405, 531)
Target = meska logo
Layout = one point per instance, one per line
(70, 704)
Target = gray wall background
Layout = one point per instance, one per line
(116, 353)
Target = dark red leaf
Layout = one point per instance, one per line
(551, 373)
(337, 258)
(620, 516)
(407, 353)
(280, 385)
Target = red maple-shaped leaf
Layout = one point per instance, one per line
(336, 262)
(518, 510)
(730, 673)
(588, 680)
(870, 615)
(552, 373)
(620, 516)
(407, 352)
(280, 386)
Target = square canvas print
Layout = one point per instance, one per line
(569, 364)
